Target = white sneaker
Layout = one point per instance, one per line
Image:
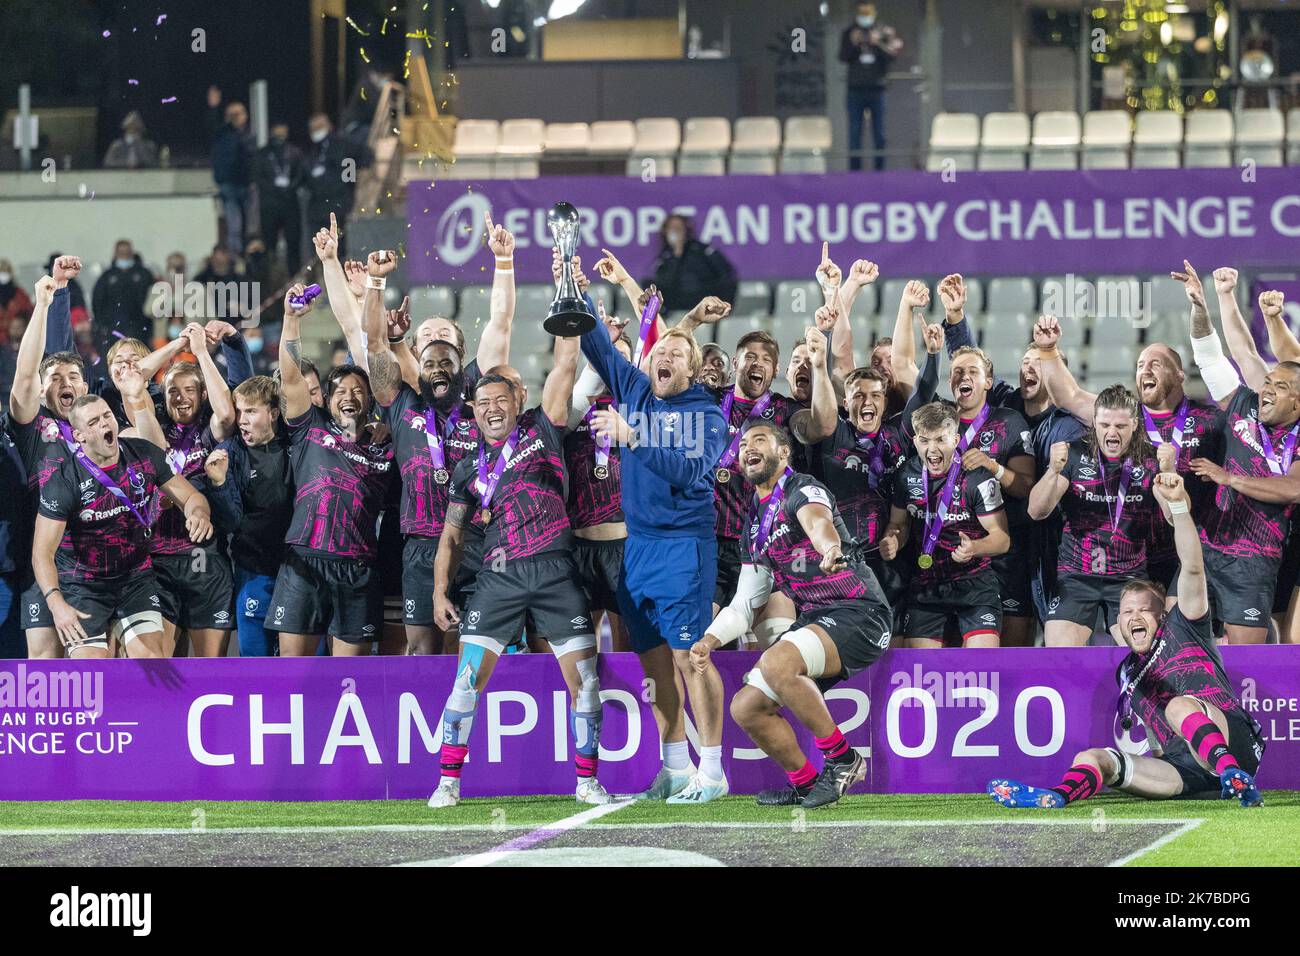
(447, 794)
(701, 789)
(590, 791)
(666, 783)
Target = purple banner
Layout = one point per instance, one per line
(1042, 222)
(1290, 310)
(368, 728)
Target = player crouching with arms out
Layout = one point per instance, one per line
(1173, 678)
(963, 526)
(794, 541)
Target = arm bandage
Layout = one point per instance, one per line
(589, 383)
(1217, 371)
(752, 591)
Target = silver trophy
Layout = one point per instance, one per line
(568, 314)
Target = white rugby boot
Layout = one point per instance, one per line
(447, 794)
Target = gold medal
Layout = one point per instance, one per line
(724, 475)
(485, 515)
(925, 561)
(602, 472)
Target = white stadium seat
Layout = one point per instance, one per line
(567, 138)
(753, 295)
(1055, 141)
(1207, 139)
(755, 143)
(807, 141)
(1108, 364)
(1107, 136)
(1057, 296)
(612, 138)
(955, 137)
(657, 139)
(475, 304)
(1157, 140)
(475, 148)
(1259, 136)
(1293, 136)
(430, 300)
(799, 298)
(705, 141)
(519, 149)
(1011, 295)
(1005, 330)
(1003, 141)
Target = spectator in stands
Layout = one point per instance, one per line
(687, 270)
(11, 333)
(263, 267)
(232, 149)
(279, 171)
(121, 299)
(868, 48)
(331, 178)
(132, 150)
(76, 296)
(14, 301)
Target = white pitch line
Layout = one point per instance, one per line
(543, 833)
(1185, 823)
(1188, 827)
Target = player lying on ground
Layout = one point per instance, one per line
(794, 541)
(1174, 679)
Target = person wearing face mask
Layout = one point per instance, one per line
(868, 48)
(121, 298)
(278, 172)
(687, 270)
(132, 150)
(328, 189)
(232, 150)
(14, 300)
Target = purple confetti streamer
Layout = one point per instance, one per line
(169, 99)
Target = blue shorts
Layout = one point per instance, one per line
(252, 600)
(665, 592)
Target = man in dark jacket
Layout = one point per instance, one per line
(232, 150)
(278, 171)
(687, 270)
(869, 49)
(332, 165)
(121, 299)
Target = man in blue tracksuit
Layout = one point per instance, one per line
(672, 435)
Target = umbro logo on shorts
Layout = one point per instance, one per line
(221, 617)
(1010, 602)
(579, 620)
(826, 621)
(153, 599)
(1251, 613)
(988, 619)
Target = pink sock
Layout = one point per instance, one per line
(585, 766)
(803, 776)
(1206, 740)
(833, 746)
(453, 759)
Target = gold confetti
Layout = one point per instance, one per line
(383, 27)
(353, 24)
(363, 54)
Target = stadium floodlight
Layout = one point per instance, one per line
(492, 4)
(562, 8)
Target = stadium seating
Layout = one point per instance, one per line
(475, 147)
(1293, 137)
(801, 298)
(807, 141)
(1055, 141)
(657, 139)
(1259, 136)
(755, 144)
(954, 138)
(1107, 136)
(1003, 141)
(753, 296)
(1012, 295)
(612, 138)
(520, 148)
(1157, 139)
(427, 300)
(705, 143)
(1207, 139)
(570, 138)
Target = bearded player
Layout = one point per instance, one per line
(795, 541)
(1173, 679)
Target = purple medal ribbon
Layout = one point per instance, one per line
(487, 483)
(1125, 477)
(976, 424)
(602, 444)
(1288, 449)
(935, 525)
(66, 431)
(102, 476)
(648, 316)
(434, 436)
(757, 411)
(180, 453)
(876, 459)
(761, 530)
(1176, 438)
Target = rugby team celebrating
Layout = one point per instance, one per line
(670, 490)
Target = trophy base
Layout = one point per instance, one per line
(569, 317)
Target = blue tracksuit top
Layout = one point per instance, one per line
(668, 478)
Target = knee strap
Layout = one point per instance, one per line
(767, 631)
(589, 692)
(809, 645)
(755, 679)
(1125, 775)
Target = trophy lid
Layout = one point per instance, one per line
(562, 212)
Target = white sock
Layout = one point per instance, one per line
(711, 762)
(676, 756)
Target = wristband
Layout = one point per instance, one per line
(1050, 352)
(396, 341)
(46, 594)
(376, 282)
(1002, 470)
(1178, 508)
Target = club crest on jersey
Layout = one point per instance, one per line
(1138, 472)
(410, 607)
(87, 515)
(986, 439)
(33, 611)
(50, 430)
(853, 463)
(327, 441)
(417, 423)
